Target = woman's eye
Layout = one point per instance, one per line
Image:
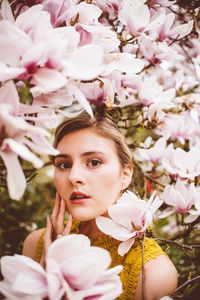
(94, 163)
(63, 165)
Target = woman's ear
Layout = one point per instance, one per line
(127, 174)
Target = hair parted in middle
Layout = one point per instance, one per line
(103, 126)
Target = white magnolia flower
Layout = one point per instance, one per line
(73, 272)
(130, 217)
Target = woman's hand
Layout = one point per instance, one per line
(55, 227)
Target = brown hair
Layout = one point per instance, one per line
(101, 125)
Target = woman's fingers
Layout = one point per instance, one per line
(61, 217)
(58, 227)
(68, 226)
(56, 209)
(47, 240)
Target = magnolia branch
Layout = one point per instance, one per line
(197, 278)
(189, 247)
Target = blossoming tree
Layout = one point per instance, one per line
(136, 61)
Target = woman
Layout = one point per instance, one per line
(92, 170)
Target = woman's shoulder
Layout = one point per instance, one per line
(31, 243)
(151, 250)
(160, 273)
(160, 279)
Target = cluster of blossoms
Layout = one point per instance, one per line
(72, 272)
(112, 54)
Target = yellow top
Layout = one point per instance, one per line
(132, 261)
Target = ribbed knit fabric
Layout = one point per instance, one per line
(132, 261)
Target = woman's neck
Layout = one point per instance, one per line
(90, 229)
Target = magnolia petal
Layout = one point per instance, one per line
(79, 96)
(15, 177)
(154, 202)
(166, 213)
(105, 290)
(23, 152)
(31, 284)
(124, 62)
(7, 291)
(68, 114)
(9, 264)
(6, 11)
(158, 21)
(193, 215)
(40, 145)
(26, 21)
(63, 248)
(111, 272)
(88, 13)
(125, 246)
(15, 124)
(109, 92)
(36, 55)
(14, 45)
(55, 288)
(9, 95)
(46, 81)
(8, 73)
(85, 262)
(109, 227)
(85, 63)
(29, 280)
(181, 30)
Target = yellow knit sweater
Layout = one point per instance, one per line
(132, 261)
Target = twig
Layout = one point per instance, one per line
(155, 181)
(191, 247)
(143, 274)
(184, 284)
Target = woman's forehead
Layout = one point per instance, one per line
(86, 140)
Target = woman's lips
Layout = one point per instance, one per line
(78, 197)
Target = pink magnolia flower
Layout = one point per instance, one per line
(177, 32)
(180, 196)
(111, 7)
(73, 272)
(178, 126)
(82, 13)
(137, 17)
(182, 163)
(194, 213)
(99, 35)
(29, 282)
(57, 9)
(151, 92)
(94, 92)
(124, 62)
(130, 217)
(32, 48)
(14, 142)
(172, 228)
(153, 154)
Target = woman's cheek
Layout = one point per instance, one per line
(57, 180)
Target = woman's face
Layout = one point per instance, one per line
(88, 174)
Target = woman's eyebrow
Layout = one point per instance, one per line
(62, 155)
(92, 153)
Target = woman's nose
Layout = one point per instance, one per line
(76, 175)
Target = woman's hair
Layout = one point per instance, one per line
(101, 125)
